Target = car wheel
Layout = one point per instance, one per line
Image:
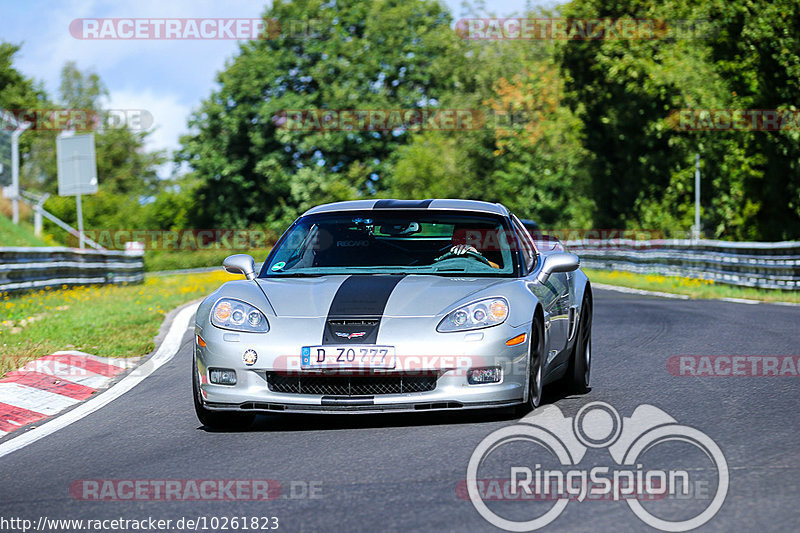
(535, 368)
(581, 359)
(219, 420)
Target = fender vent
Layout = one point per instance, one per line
(573, 315)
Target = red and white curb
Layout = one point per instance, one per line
(166, 351)
(50, 384)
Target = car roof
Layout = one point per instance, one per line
(445, 204)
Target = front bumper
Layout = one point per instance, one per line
(447, 356)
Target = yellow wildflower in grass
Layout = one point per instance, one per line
(692, 287)
(59, 317)
(655, 278)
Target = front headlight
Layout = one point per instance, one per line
(480, 314)
(233, 314)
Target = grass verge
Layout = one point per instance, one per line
(119, 320)
(123, 320)
(18, 235)
(694, 288)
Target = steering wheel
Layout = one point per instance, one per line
(469, 253)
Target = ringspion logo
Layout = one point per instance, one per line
(549, 460)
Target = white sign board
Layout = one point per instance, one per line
(5, 156)
(8, 127)
(77, 167)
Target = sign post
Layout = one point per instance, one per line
(696, 228)
(12, 190)
(77, 170)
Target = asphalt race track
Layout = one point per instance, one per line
(401, 472)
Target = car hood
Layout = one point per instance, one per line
(370, 295)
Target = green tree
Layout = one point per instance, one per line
(349, 54)
(17, 93)
(81, 90)
(16, 90)
(126, 172)
(528, 154)
(642, 167)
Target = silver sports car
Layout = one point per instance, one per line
(393, 305)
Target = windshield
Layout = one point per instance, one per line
(377, 242)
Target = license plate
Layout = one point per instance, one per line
(368, 356)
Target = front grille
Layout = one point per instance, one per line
(350, 385)
(360, 322)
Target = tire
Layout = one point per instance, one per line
(535, 368)
(579, 373)
(217, 420)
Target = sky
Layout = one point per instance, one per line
(168, 78)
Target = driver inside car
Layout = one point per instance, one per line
(463, 249)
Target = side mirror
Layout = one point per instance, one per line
(557, 262)
(240, 264)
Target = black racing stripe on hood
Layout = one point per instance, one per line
(357, 307)
(402, 204)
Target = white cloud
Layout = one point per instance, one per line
(169, 114)
(51, 45)
(167, 78)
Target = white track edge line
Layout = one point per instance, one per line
(165, 352)
(643, 292)
(629, 290)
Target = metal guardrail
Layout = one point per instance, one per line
(748, 264)
(767, 265)
(26, 268)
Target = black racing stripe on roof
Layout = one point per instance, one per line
(359, 298)
(402, 204)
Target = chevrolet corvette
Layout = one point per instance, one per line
(393, 305)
